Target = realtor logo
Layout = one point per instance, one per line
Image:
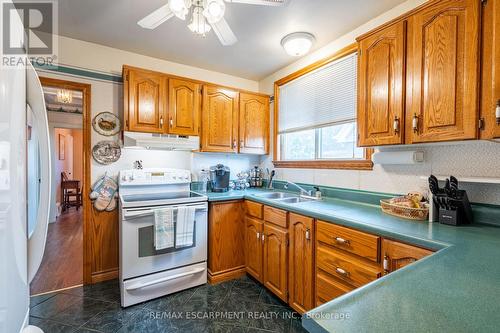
(38, 20)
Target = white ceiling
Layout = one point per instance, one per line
(259, 29)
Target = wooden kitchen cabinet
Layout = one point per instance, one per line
(442, 72)
(396, 255)
(275, 260)
(184, 107)
(490, 75)
(301, 263)
(381, 86)
(219, 120)
(226, 239)
(254, 124)
(144, 100)
(254, 247)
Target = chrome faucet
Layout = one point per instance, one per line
(303, 191)
(270, 181)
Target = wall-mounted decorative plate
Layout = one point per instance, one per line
(106, 152)
(106, 123)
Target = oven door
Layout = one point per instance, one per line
(138, 255)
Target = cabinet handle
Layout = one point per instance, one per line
(258, 236)
(497, 112)
(342, 271)
(263, 238)
(415, 123)
(161, 121)
(396, 125)
(234, 144)
(386, 264)
(342, 240)
(171, 122)
(308, 234)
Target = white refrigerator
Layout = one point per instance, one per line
(25, 187)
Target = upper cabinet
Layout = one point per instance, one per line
(184, 107)
(254, 124)
(442, 71)
(490, 75)
(219, 120)
(145, 101)
(231, 121)
(419, 76)
(381, 86)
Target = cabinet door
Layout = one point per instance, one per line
(300, 263)
(397, 255)
(184, 107)
(443, 48)
(219, 120)
(490, 57)
(381, 87)
(254, 124)
(145, 101)
(226, 238)
(253, 247)
(275, 260)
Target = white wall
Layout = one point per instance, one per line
(108, 96)
(477, 158)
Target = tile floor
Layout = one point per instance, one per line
(238, 306)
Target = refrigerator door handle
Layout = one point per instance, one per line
(35, 100)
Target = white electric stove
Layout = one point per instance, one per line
(147, 273)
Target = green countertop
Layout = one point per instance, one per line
(457, 289)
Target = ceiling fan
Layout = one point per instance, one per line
(204, 16)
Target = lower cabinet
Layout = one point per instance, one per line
(275, 260)
(226, 236)
(253, 247)
(398, 255)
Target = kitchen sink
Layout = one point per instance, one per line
(292, 200)
(276, 195)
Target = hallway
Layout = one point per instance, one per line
(62, 264)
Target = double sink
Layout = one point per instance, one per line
(284, 197)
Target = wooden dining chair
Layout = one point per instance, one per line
(71, 194)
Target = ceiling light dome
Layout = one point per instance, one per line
(198, 23)
(298, 43)
(214, 10)
(180, 8)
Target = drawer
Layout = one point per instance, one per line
(346, 267)
(253, 209)
(276, 216)
(328, 288)
(353, 241)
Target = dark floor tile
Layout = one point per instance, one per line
(147, 321)
(49, 326)
(80, 312)
(216, 327)
(54, 305)
(212, 295)
(108, 291)
(268, 297)
(296, 326)
(245, 291)
(256, 330)
(35, 300)
(170, 302)
(237, 312)
(112, 318)
(85, 330)
(245, 279)
(272, 318)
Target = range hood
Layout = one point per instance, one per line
(160, 141)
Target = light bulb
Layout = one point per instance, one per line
(214, 10)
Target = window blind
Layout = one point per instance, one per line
(322, 97)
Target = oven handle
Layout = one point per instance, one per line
(141, 285)
(146, 212)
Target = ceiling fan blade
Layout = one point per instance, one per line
(224, 32)
(156, 18)
(260, 2)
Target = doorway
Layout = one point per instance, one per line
(68, 111)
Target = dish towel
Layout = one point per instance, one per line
(164, 228)
(185, 226)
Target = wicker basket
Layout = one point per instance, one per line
(418, 214)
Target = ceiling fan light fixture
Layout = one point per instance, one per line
(214, 10)
(199, 24)
(180, 8)
(298, 43)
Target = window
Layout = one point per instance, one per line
(315, 113)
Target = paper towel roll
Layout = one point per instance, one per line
(398, 157)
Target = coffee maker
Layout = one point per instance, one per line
(219, 178)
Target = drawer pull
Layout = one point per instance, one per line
(342, 271)
(342, 240)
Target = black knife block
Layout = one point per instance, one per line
(459, 211)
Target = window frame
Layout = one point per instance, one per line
(348, 164)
